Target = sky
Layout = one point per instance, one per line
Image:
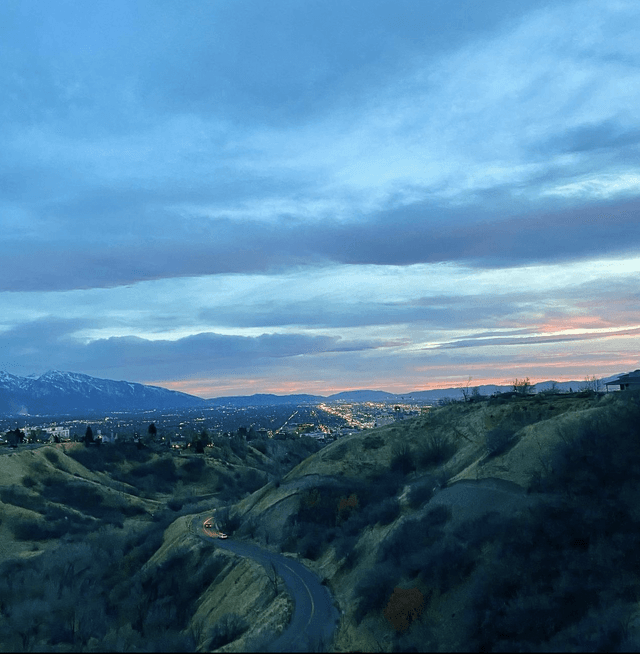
(230, 197)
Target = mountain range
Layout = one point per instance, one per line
(383, 396)
(56, 392)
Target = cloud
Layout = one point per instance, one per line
(41, 344)
(421, 133)
(608, 134)
(225, 246)
(54, 343)
(260, 184)
(484, 341)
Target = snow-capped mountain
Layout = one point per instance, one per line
(58, 392)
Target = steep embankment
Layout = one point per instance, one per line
(145, 579)
(240, 609)
(314, 616)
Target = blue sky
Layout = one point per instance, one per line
(228, 197)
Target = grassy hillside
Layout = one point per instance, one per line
(95, 553)
(507, 523)
(533, 549)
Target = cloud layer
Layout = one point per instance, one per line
(274, 195)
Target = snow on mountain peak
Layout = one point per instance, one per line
(60, 391)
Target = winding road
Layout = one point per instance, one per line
(314, 618)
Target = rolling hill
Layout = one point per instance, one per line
(503, 523)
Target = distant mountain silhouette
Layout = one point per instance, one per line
(433, 395)
(57, 393)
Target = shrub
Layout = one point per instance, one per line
(251, 481)
(19, 497)
(319, 505)
(498, 440)
(372, 593)
(384, 485)
(421, 492)
(79, 495)
(383, 513)
(404, 606)
(193, 469)
(130, 510)
(228, 628)
(27, 529)
(92, 459)
(336, 452)
(402, 460)
(409, 537)
(436, 451)
(232, 523)
(154, 476)
(447, 564)
(438, 516)
(51, 456)
(175, 504)
(239, 447)
(28, 481)
(260, 445)
(344, 548)
(477, 531)
(311, 545)
(372, 443)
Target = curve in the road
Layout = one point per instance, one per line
(314, 618)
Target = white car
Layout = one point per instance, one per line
(223, 536)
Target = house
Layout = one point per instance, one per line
(58, 434)
(108, 438)
(627, 382)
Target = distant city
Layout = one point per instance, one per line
(107, 408)
(178, 428)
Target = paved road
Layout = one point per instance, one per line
(314, 618)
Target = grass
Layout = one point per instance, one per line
(360, 513)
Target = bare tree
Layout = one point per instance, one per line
(553, 389)
(591, 383)
(466, 393)
(522, 386)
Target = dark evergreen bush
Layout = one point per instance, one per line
(91, 458)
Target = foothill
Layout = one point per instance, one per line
(412, 525)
